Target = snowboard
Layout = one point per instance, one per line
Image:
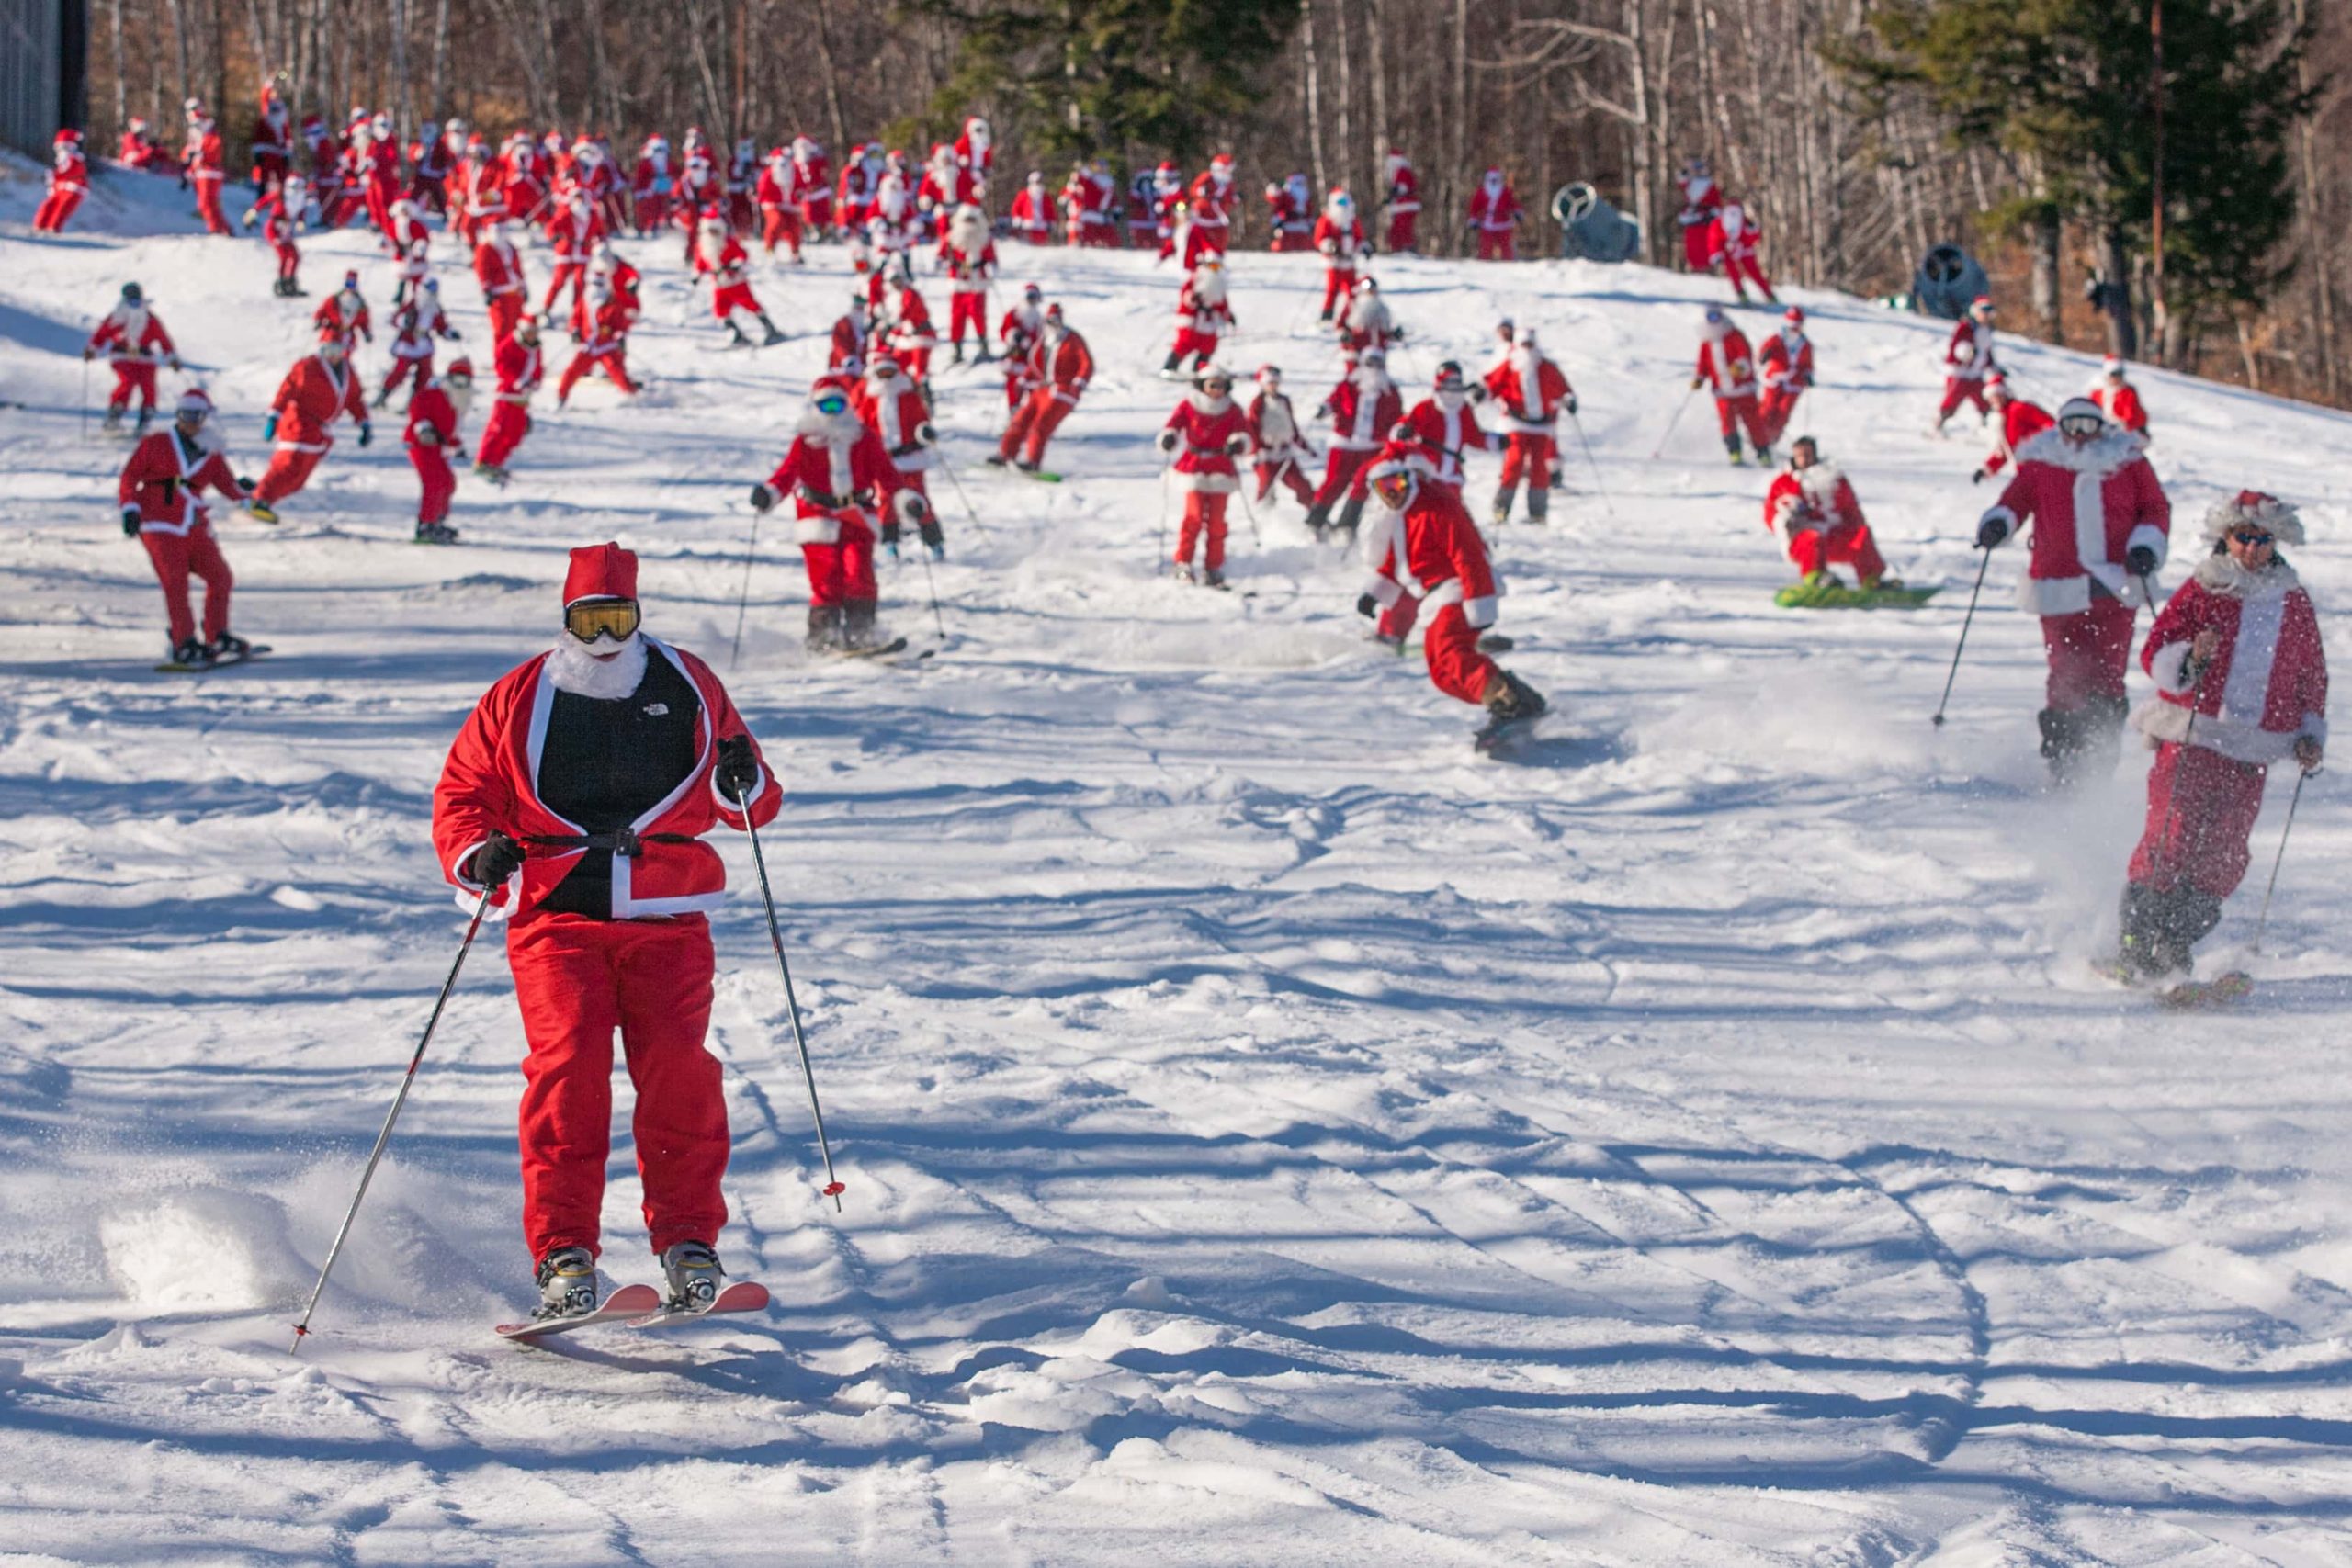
(2221, 990)
(631, 1302)
(247, 656)
(879, 650)
(1835, 595)
(744, 1295)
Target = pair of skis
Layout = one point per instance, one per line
(640, 1306)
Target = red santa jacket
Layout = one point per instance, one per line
(498, 268)
(910, 328)
(894, 411)
(1493, 211)
(1364, 407)
(1205, 428)
(202, 154)
(484, 189)
(309, 398)
(602, 325)
(520, 367)
(848, 349)
(1969, 355)
(1702, 199)
(2124, 406)
(1341, 245)
(163, 479)
(1818, 496)
(1530, 389)
(1444, 560)
(1064, 368)
(1032, 214)
(341, 317)
(2020, 422)
(970, 273)
(2267, 685)
(491, 783)
(730, 268)
(2089, 505)
(1786, 362)
(1439, 435)
(69, 171)
(1404, 185)
(1725, 364)
(132, 335)
(833, 462)
(432, 418)
(1209, 317)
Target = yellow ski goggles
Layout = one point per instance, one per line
(591, 618)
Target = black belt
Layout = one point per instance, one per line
(626, 842)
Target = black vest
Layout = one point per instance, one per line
(605, 764)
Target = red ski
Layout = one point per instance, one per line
(631, 1301)
(744, 1295)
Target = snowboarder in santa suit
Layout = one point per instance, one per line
(434, 414)
(1785, 365)
(1054, 377)
(836, 473)
(322, 387)
(1968, 359)
(159, 491)
(520, 368)
(577, 795)
(1204, 436)
(1203, 315)
(1812, 510)
(1403, 202)
(1728, 368)
(343, 316)
(415, 326)
(1533, 392)
(720, 255)
(2101, 525)
(69, 181)
(1443, 428)
(888, 403)
(1280, 445)
(1362, 408)
(2020, 422)
(1339, 234)
(1493, 211)
(281, 209)
(1426, 557)
(971, 262)
(132, 338)
(2114, 393)
(2241, 678)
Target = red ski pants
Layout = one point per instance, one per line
(1400, 230)
(1343, 470)
(652, 207)
(289, 469)
(968, 310)
(1529, 459)
(1775, 408)
(1199, 343)
(1456, 667)
(56, 207)
(133, 376)
(1741, 412)
(439, 484)
(1958, 389)
(1697, 255)
(1287, 472)
(615, 362)
(207, 203)
(1497, 244)
(1339, 282)
(1841, 544)
(175, 556)
(1034, 424)
(1745, 269)
(572, 272)
(842, 571)
(1397, 621)
(506, 312)
(577, 981)
(2202, 811)
(779, 223)
(289, 258)
(2087, 653)
(1203, 515)
(502, 433)
(403, 368)
(725, 302)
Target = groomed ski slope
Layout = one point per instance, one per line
(1272, 1136)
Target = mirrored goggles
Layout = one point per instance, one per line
(2251, 536)
(592, 618)
(830, 404)
(2082, 427)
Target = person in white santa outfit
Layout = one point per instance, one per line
(2101, 524)
(2241, 674)
(1339, 234)
(890, 405)
(1204, 437)
(1366, 323)
(574, 806)
(1533, 392)
(1203, 316)
(1281, 449)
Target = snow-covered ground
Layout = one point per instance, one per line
(1273, 1135)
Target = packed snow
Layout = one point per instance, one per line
(1273, 1134)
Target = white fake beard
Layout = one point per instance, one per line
(461, 399)
(573, 666)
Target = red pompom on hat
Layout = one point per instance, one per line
(600, 571)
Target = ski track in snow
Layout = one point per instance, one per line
(1273, 1135)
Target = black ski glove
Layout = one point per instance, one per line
(1571, 405)
(1980, 476)
(130, 522)
(1167, 440)
(738, 769)
(1991, 532)
(2139, 560)
(1367, 606)
(367, 434)
(497, 859)
(762, 498)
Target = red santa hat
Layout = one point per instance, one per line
(1996, 382)
(1982, 302)
(68, 137)
(460, 366)
(2112, 366)
(194, 402)
(2253, 508)
(1794, 316)
(1270, 375)
(599, 571)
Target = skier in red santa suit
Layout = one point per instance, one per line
(2241, 675)
(1727, 367)
(2100, 528)
(132, 338)
(837, 474)
(1701, 199)
(415, 327)
(481, 194)
(1733, 241)
(906, 323)
(273, 139)
(577, 795)
(138, 150)
(1785, 367)
(1203, 315)
(742, 175)
(527, 173)
(1968, 359)
(574, 230)
(1339, 234)
(1403, 202)
(1362, 408)
(202, 157)
(1423, 550)
(887, 403)
(1077, 223)
(971, 262)
(430, 164)
(1288, 227)
(1443, 428)
(2020, 421)
(1205, 436)
(432, 435)
(1024, 321)
(1493, 211)
(1213, 199)
(1812, 510)
(1033, 212)
(322, 387)
(410, 234)
(1054, 377)
(69, 181)
(649, 185)
(861, 177)
(281, 210)
(159, 490)
(777, 194)
(600, 325)
(2119, 399)
(341, 316)
(975, 152)
(383, 165)
(1274, 435)
(520, 369)
(721, 257)
(1168, 206)
(499, 269)
(1366, 322)
(812, 187)
(853, 335)
(1532, 393)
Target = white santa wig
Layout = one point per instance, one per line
(2252, 508)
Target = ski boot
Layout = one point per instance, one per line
(1024, 465)
(1539, 505)
(261, 510)
(146, 418)
(1212, 577)
(1319, 521)
(1508, 697)
(1182, 571)
(773, 336)
(858, 629)
(114, 418)
(1764, 456)
(384, 399)
(567, 1282)
(1731, 449)
(692, 1268)
(736, 339)
(996, 459)
(932, 539)
(1352, 516)
(890, 540)
(959, 357)
(1168, 370)
(824, 634)
(192, 653)
(228, 645)
(436, 533)
(1504, 496)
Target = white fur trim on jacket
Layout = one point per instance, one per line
(470, 890)
(823, 528)
(1480, 613)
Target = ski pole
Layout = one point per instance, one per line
(1966, 621)
(1597, 482)
(303, 1329)
(743, 600)
(1249, 510)
(1162, 546)
(2296, 799)
(791, 1005)
(85, 434)
(1670, 424)
(946, 468)
(931, 584)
